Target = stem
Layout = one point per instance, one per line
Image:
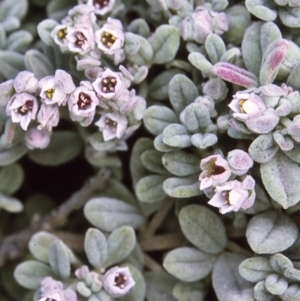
(15, 245)
(151, 264)
(232, 246)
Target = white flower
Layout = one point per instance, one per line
(246, 105)
(22, 108)
(108, 84)
(216, 170)
(48, 116)
(234, 195)
(102, 7)
(80, 39)
(112, 125)
(110, 39)
(59, 34)
(82, 103)
(25, 81)
(58, 296)
(56, 89)
(37, 138)
(118, 281)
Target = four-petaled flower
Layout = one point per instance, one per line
(234, 195)
(110, 39)
(82, 103)
(22, 108)
(246, 105)
(112, 125)
(102, 7)
(56, 89)
(118, 281)
(216, 171)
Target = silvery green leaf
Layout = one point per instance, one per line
(19, 41)
(108, 214)
(11, 63)
(10, 204)
(294, 251)
(140, 27)
(165, 43)
(137, 257)
(280, 176)
(230, 55)
(218, 5)
(226, 280)
(255, 269)
(294, 77)
(151, 159)
(292, 293)
(262, 9)
(271, 232)
(139, 50)
(275, 284)
(157, 118)
(138, 292)
(103, 296)
(58, 10)
(150, 189)
(199, 61)
(280, 263)
(215, 47)
(294, 154)
(269, 33)
(182, 92)
(195, 116)
(261, 293)
(182, 187)
(9, 155)
(83, 290)
(137, 169)
(140, 75)
(285, 143)
(188, 264)
(29, 274)
(189, 291)
(98, 143)
(44, 29)
(161, 146)
(292, 274)
(290, 16)
(116, 189)
(204, 141)
(203, 228)
(11, 178)
(176, 135)
(64, 147)
(95, 247)
(14, 8)
(38, 63)
(239, 20)
(263, 148)
(159, 87)
(160, 286)
(181, 163)
(120, 244)
(39, 245)
(59, 259)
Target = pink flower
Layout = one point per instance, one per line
(25, 81)
(37, 138)
(108, 84)
(22, 108)
(112, 125)
(58, 34)
(216, 171)
(110, 39)
(56, 89)
(239, 161)
(234, 195)
(82, 103)
(48, 117)
(102, 7)
(80, 39)
(118, 281)
(245, 105)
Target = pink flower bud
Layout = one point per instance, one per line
(37, 138)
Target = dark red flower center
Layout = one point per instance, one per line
(23, 110)
(99, 4)
(84, 101)
(120, 280)
(80, 39)
(217, 170)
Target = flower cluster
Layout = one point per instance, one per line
(116, 282)
(80, 34)
(120, 109)
(230, 195)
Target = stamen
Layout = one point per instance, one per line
(50, 92)
(84, 101)
(120, 280)
(108, 39)
(62, 33)
(80, 38)
(23, 110)
(109, 84)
